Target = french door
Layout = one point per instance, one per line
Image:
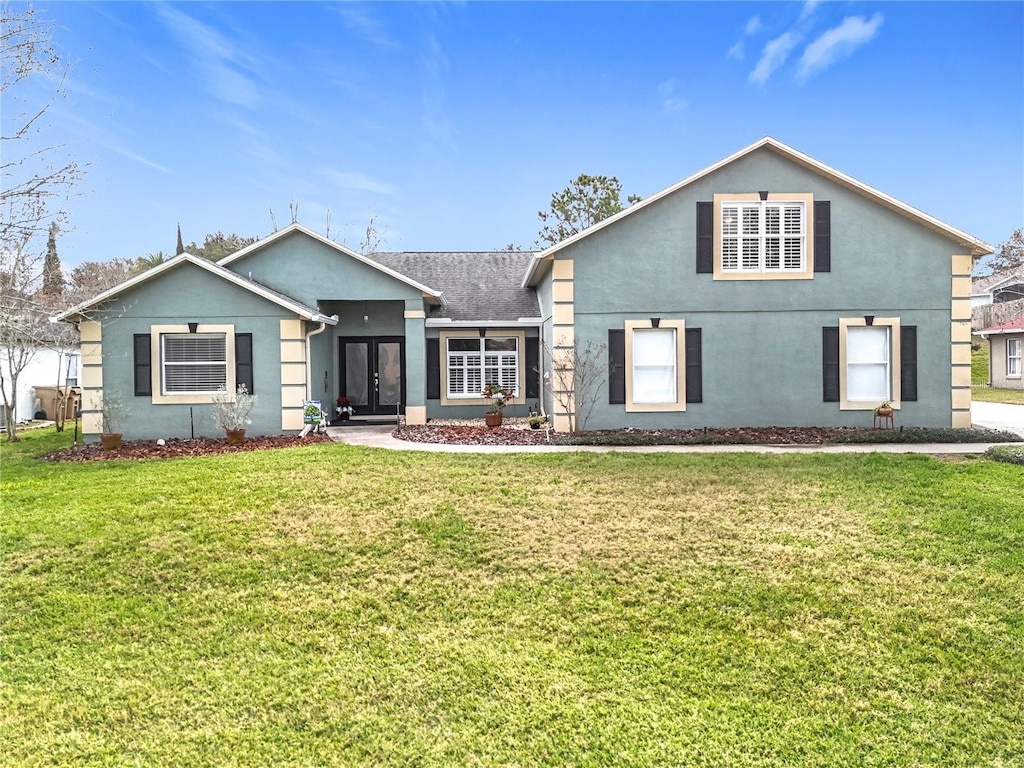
(373, 373)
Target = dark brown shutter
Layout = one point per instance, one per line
(908, 362)
(705, 238)
(616, 366)
(694, 383)
(533, 367)
(830, 364)
(243, 362)
(143, 365)
(822, 236)
(433, 369)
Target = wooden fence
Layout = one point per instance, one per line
(996, 314)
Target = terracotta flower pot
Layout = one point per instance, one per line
(493, 419)
(236, 436)
(110, 441)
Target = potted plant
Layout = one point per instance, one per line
(537, 421)
(885, 409)
(499, 397)
(231, 412)
(344, 410)
(112, 413)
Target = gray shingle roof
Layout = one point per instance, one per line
(477, 286)
(983, 284)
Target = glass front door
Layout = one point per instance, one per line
(373, 373)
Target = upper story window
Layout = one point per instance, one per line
(763, 236)
(769, 239)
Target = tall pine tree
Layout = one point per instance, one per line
(53, 276)
(181, 246)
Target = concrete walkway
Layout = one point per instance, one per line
(380, 437)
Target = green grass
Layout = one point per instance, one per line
(979, 364)
(329, 605)
(985, 393)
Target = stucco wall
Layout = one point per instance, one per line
(762, 347)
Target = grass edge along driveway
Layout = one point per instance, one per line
(332, 605)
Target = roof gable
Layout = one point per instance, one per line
(432, 295)
(977, 247)
(303, 311)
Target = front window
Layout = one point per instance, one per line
(868, 361)
(193, 363)
(476, 362)
(1013, 357)
(763, 236)
(654, 366)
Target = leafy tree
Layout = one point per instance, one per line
(150, 260)
(217, 245)
(586, 201)
(93, 277)
(1010, 254)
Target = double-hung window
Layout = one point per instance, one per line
(474, 362)
(763, 236)
(1013, 357)
(868, 364)
(193, 363)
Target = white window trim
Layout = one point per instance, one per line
(493, 333)
(680, 403)
(1018, 344)
(156, 362)
(893, 323)
(804, 199)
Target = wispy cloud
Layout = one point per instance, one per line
(808, 9)
(838, 43)
(773, 56)
(435, 119)
(366, 25)
(738, 50)
(670, 102)
(220, 58)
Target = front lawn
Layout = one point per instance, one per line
(987, 394)
(330, 605)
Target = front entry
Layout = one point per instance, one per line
(373, 373)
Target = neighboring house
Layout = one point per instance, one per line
(768, 289)
(1007, 285)
(1005, 347)
(45, 368)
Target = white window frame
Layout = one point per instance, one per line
(729, 215)
(679, 362)
(508, 364)
(158, 332)
(1013, 358)
(892, 324)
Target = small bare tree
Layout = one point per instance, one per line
(577, 375)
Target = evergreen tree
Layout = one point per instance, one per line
(181, 246)
(53, 276)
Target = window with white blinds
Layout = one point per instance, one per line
(763, 236)
(193, 363)
(474, 363)
(654, 365)
(868, 363)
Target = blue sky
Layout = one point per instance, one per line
(454, 123)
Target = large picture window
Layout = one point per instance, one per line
(473, 363)
(763, 236)
(193, 364)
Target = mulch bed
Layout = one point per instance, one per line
(467, 435)
(178, 448)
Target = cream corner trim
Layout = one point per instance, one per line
(291, 419)
(416, 414)
(413, 314)
(90, 330)
(961, 419)
(291, 329)
(562, 269)
(963, 265)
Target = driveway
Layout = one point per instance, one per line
(998, 416)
